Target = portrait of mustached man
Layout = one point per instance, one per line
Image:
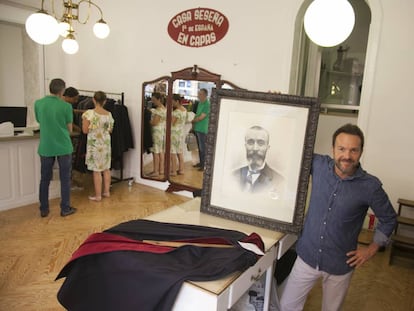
(257, 176)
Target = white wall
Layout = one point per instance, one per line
(255, 54)
(21, 62)
(11, 65)
(390, 144)
(139, 49)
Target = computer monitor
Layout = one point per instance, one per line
(15, 115)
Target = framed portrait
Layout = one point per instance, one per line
(258, 157)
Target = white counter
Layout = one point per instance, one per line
(20, 170)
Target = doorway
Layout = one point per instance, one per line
(340, 77)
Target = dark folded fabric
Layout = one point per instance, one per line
(116, 270)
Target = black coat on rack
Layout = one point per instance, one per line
(121, 137)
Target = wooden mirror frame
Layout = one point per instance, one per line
(194, 73)
(190, 73)
(155, 81)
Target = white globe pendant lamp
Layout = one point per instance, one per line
(42, 28)
(329, 22)
(70, 45)
(45, 29)
(64, 28)
(101, 29)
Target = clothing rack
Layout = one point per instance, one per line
(89, 92)
(120, 98)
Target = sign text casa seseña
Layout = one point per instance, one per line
(198, 27)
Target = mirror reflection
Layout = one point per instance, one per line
(175, 119)
(188, 134)
(154, 129)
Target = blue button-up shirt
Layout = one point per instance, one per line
(336, 214)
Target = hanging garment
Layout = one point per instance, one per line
(121, 137)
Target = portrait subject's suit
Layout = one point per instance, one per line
(268, 181)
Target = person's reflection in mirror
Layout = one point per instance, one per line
(158, 118)
(179, 116)
(146, 126)
(200, 122)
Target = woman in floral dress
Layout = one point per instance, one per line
(179, 116)
(158, 119)
(98, 124)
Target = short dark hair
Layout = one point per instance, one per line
(204, 91)
(71, 92)
(56, 86)
(176, 97)
(100, 97)
(350, 129)
(159, 96)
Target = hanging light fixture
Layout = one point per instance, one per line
(69, 44)
(45, 29)
(329, 22)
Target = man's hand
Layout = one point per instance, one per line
(361, 255)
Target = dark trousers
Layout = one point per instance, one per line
(201, 139)
(46, 173)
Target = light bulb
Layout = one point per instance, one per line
(64, 28)
(70, 45)
(42, 28)
(329, 22)
(101, 29)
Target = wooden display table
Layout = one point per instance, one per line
(222, 294)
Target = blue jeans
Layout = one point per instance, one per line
(201, 139)
(46, 173)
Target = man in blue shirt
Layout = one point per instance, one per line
(327, 248)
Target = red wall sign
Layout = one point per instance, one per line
(198, 27)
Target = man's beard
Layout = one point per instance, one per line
(255, 159)
(349, 169)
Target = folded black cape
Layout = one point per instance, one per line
(116, 270)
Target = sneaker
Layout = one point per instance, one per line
(44, 213)
(70, 211)
(76, 188)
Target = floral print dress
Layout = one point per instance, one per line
(158, 131)
(177, 139)
(98, 146)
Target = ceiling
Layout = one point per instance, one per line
(33, 4)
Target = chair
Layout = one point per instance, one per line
(403, 245)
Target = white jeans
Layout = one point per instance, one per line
(301, 280)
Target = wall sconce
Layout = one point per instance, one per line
(329, 22)
(45, 29)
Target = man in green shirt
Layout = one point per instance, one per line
(200, 122)
(55, 118)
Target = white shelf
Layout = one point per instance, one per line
(346, 108)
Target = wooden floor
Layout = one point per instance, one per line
(33, 250)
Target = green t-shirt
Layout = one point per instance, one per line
(202, 126)
(53, 115)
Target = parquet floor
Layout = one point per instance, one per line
(34, 249)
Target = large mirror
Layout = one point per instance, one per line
(175, 111)
(154, 128)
